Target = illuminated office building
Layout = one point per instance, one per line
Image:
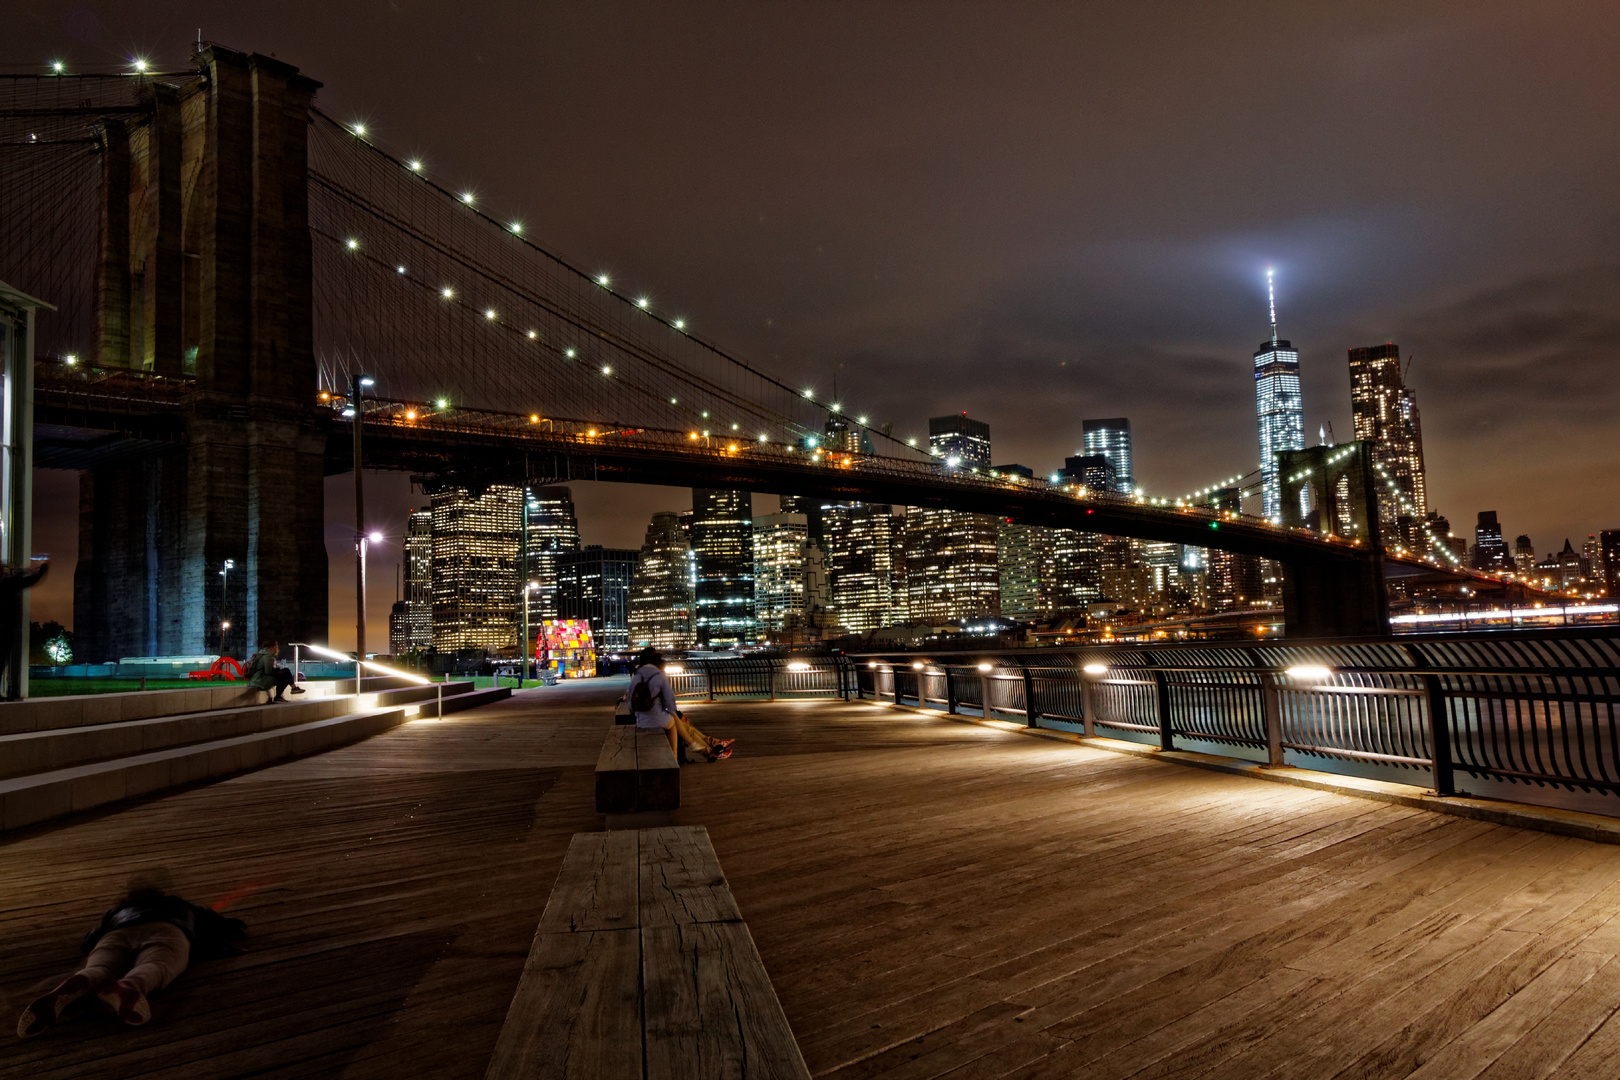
(1232, 581)
(951, 569)
(594, 583)
(723, 546)
(1386, 415)
(1609, 558)
(1524, 557)
(859, 557)
(1109, 439)
(780, 543)
(1490, 550)
(661, 592)
(475, 567)
(1023, 564)
(553, 529)
(416, 617)
(1279, 404)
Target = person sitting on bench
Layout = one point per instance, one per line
(653, 701)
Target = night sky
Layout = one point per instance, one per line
(1033, 212)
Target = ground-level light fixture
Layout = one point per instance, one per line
(916, 667)
(987, 667)
(1095, 669)
(798, 665)
(1309, 671)
(674, 669)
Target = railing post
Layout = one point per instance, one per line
(1271, 706)
(772, 678)
(1161, 683)
(708, 677)
(950, 693)
(984, 697)
(894, 682)
(1445, 782)
(1088, 704)
(1032, 715)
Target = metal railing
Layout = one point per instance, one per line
(1524, 715)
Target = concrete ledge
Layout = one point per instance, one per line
(1594, 827)
(30, 800)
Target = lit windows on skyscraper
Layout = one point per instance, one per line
(723, 548)
(958, 436)
(779, 567)
(552, 530)
(1280, 407)
(861, 542)
(661, 592)
(1111, 439)
(1386, 415)
(950, 555)
(475, 565)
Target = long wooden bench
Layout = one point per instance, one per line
(637, 771)
(643, 968)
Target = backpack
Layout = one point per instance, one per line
(641, 699)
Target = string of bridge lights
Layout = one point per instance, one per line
(1406, 504)
(417, 166)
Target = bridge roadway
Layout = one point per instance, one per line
(931, 898)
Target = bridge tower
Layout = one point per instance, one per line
(1330, 489)
(205, 277)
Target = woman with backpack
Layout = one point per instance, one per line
(652, 699)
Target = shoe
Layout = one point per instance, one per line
(721, 754)
(299, 690)
(722, 744)
(47, 1010)
(125, 998)
(278, 700)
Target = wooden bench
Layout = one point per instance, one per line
(643, 968)
(636, 771)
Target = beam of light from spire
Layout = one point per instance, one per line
(1271, 291)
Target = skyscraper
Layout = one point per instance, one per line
(958, 436)
(1609, 549)
(474, 569)
(661, 592)
(950, 555)
(1386, 415)
(1110, 439)
(594, 583)
(859, 560)
(417, 617)
(552, 530)
(723, 546)
(1023, 564)
(780, 542)
(1490, 550)
(1279, 405)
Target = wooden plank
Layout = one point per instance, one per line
(616, 772)
(658, 774)
(710, 1008)
(596, 887)
(577, 1011)
(681, 881)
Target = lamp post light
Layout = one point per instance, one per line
(356, 413)
(523, 671)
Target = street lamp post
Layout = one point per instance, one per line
(356, 413)
(224, 599)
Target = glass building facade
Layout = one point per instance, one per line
(416, 617)
(951, 570)
(723, 548)
(552, 530)
(1111, 439)
(475, 568)
(780, 551)
(593, 583)
(1386, 415)
(1281, 412)
(860, 547)
(661, 594)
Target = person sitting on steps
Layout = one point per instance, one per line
(263, 674)
(653, 701)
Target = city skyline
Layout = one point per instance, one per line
(1503, 295)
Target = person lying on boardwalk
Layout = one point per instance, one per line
(652, 699)
(140, 946)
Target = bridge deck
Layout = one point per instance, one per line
(931, 898)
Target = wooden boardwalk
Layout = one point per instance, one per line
(931, 898)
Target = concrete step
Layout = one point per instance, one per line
(416, 692)
(79, 710)
(29, 800)
(30, 752)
